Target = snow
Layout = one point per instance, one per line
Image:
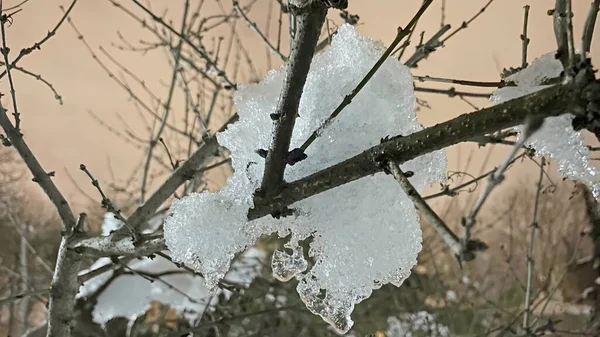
(365, 233)
(416, 324)
(110, 223)
(130, 295)
(556, 139)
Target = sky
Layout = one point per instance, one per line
(65, 136)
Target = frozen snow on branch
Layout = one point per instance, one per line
(364, 234)
(556, 139)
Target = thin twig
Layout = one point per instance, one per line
(449, 238)
(588, 28)
(455, 190)
(424, 49)
(466, 24)
(38, 45)
(524, 38)
(5, 50)
(400, 35)
(255, 28)
(167, 106)
(570, 38)
(219, 73)
(452, 92)
(108, 205)
(531, 126)
(482, 84)
(533, 228)
(38, 77)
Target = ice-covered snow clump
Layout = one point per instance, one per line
(365, 233)
(130, 295)
(420, 323)
(556, 139)
(110, 223)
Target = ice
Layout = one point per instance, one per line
(181, 290)
(556, 139)
(420, 323)
(365, 233)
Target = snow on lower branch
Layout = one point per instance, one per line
(365, 233)
(556, 139)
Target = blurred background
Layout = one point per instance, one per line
(103, 82)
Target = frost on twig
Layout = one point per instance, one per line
(556, 139)
(365, 233)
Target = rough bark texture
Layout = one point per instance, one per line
(310, 20)
(549, 102)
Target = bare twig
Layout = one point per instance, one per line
(38, 77)
(455, 190)
(108, 205)
(452, 92)
(588, 28)
(400, 35)
(570, 38)
(559, 15)
(533, 228)
(531, 126)
(466, 24)
(524, 38)
(255, 28)
(211, 63)
(5, 50)
(39, 174)
(423, 50)
(38, 45)
(310, 20)
(449, 238)
(167, 106)
(482, 84)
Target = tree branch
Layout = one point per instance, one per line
(185, 172)
(107, 246)
(64, 286)
(560, 31)
(449, 238)
(588, 28)
(552, 101)
(309, 20)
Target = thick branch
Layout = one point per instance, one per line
(309, 20)
(588, 28)
(39, 174)
(446, 234)
(107, 246)
(185, 172)
(548, 102)
(64, 286)
(560, 30)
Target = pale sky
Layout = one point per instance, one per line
(63, 136)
